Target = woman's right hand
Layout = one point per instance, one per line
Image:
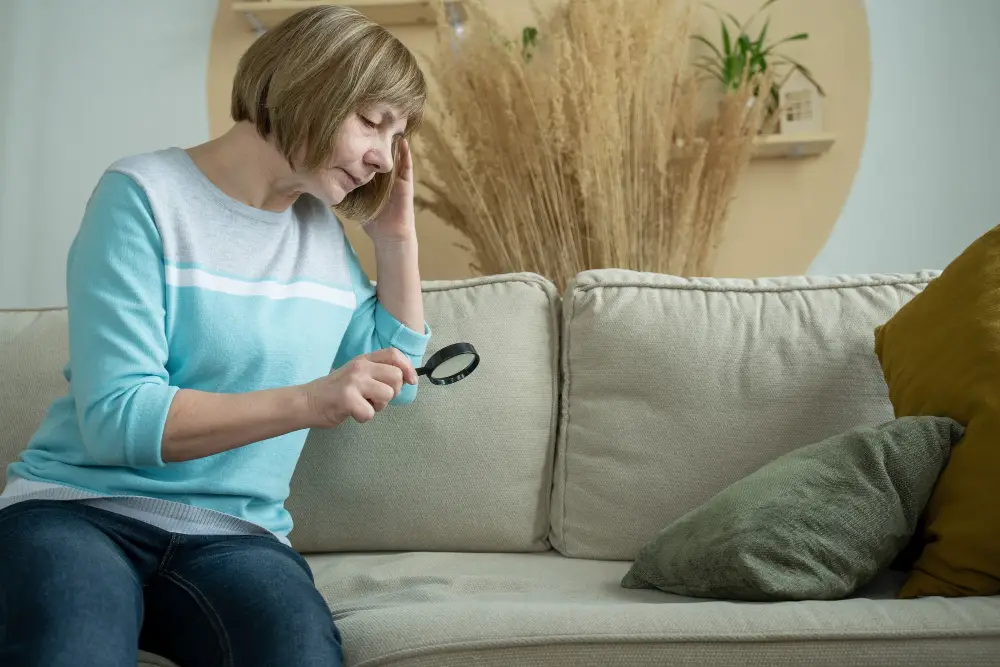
(359, 389)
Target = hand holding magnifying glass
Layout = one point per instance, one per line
(450, 364)
(361, 389)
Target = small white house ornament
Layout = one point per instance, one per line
(800, 101)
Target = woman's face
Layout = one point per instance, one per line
(363, 148)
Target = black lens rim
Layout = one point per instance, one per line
(446, 353)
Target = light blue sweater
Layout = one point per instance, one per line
(172, 284)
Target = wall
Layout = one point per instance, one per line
(7, 30)
(926, 186)
(783, 211)
(81, 84)
(84, 83)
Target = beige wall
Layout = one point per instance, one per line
(784, 209)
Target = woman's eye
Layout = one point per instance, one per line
(369, 122)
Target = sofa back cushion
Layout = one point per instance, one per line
(675, 388)
(466, 467)
(34, 348)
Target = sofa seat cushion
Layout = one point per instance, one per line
(451, 609)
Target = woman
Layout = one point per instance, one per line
(216, 313)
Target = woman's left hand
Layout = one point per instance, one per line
(396, 221)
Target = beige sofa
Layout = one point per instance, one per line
(491, 522)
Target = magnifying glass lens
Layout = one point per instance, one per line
(453, 366)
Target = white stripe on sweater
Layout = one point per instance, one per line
(270, 289)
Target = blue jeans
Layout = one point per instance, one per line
(84, 587)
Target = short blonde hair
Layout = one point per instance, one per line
(299, 81)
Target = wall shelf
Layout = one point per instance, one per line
(264, 14)
(791, 146)
(779, 146)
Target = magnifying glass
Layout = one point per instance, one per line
(450, 364)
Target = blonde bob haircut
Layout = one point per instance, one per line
(299, 82)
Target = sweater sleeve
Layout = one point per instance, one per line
(117, 340)
(372, 328)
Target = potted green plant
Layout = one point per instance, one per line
(742, 56)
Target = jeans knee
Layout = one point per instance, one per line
(306, 628)
(299, 629)
(259, 598)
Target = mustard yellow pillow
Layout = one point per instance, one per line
(940, 354)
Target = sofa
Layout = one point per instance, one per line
(491, 522)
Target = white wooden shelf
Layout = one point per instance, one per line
(778, 146)
(791, 145)
(264, 14)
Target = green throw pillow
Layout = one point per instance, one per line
(814, 524)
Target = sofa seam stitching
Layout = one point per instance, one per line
(571, 639)
(540, 283)
(564, 406)
(556, 307)
(750, 289)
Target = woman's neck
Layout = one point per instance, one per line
(247, 168)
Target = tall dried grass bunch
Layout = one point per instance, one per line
(592, 153)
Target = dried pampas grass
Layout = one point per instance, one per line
(594, 153)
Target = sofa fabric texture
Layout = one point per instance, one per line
(476, 455)
(675, 388)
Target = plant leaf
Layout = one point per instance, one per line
(760, 9)
(715, 72)
(706, 63)
(763, 34)
(739, 67)
(793, 38)
(710, 67)
(805, 70)
(727, 45)
(794, 63)
(709, 44)
(713, 8)
(529, 35)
